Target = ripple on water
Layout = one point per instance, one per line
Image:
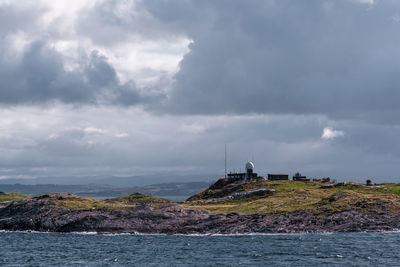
(89, 249)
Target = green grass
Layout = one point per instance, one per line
(73, 202)
(138, 199)
(89, 204)
(6, 199)
(389, 188)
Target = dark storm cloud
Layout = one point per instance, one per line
(39, 76)
(338, 58)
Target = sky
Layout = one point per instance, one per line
(148, 87)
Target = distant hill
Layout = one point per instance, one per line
(173, 191)
(117, 181)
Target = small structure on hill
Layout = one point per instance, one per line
(299, 177)
(248, 175)
(275, 177)
(324, 180)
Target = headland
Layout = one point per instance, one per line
(229, 206)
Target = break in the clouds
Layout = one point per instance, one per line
(152, 86)
(59, 52)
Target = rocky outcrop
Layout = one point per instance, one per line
(45, 214)
(223, 188)
(248, 194)
(239, 196)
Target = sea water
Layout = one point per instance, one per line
(90, 249)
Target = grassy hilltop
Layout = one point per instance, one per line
(6, 199)
(71, 202)
(295, 196)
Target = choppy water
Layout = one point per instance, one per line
(56, 249)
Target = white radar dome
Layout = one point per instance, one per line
(249, 165)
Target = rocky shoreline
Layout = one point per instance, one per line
(45, 214)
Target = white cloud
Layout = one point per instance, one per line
(93, 130)
(329, 133)
(121, 135)
(135, 48)
(366, 1)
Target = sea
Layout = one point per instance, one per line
(92, 249)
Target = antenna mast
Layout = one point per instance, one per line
(225, 160)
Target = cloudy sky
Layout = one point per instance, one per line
(142, 87)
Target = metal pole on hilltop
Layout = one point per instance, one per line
(225, 161)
